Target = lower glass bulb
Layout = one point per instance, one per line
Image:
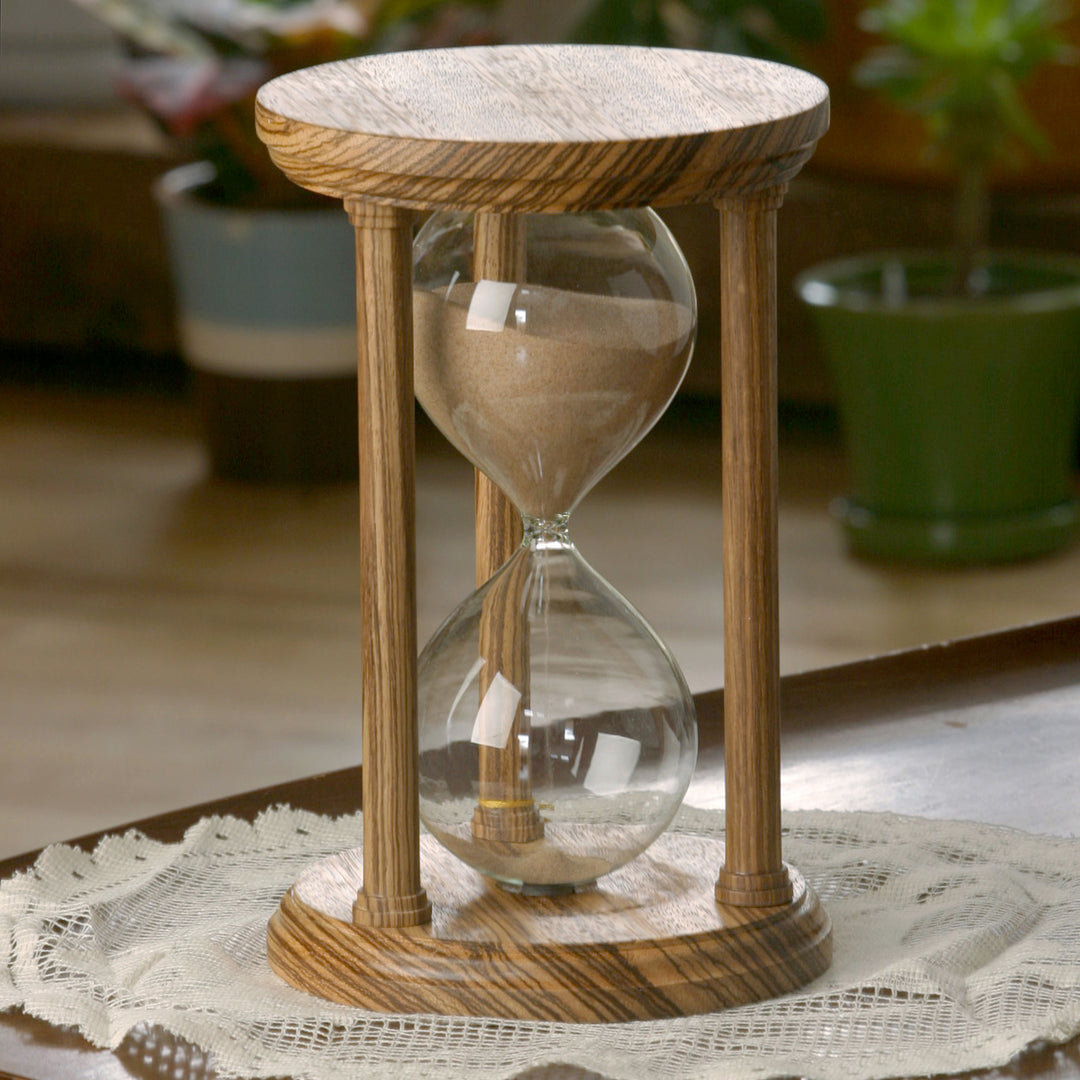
(557, 733)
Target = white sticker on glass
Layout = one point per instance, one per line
(495, 717)
(614, 760)
(490, 305)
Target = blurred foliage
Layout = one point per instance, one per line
(195, 66)
(960, 64)
(763, 28)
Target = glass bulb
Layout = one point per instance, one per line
(547, 781)
(557, 733)
(547, 383)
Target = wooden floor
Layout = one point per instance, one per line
(167, 638)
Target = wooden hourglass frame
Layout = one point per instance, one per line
(504, 131)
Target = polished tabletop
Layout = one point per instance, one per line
(984, 728)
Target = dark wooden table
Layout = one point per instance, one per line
(987, 728)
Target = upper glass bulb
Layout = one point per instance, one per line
(546, 383)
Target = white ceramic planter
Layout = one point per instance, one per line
(266, 316)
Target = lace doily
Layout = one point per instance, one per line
(955, 945)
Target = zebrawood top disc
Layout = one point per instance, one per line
(542, 127)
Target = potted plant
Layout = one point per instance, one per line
(957, 373)
(263, 270)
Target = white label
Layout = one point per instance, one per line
(613, 763)
(490, 305)
(495, 717)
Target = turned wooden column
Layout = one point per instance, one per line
(505, 810)
(498, 255)
(753, 873)
(391, 893)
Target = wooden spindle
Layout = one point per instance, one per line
(391, 893)
(505, 811)
(498, 255)
(753, 873)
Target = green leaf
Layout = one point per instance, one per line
(1016, 117)
(960, 63)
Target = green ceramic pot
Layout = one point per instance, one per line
(959, 414)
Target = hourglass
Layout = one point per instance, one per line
(547, 736)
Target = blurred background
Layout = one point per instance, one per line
(178, 608)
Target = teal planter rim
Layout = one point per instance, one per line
(824, 285)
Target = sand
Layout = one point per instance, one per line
(548, 408)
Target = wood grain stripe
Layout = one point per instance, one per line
(574, 193)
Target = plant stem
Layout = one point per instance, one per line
(972, 225)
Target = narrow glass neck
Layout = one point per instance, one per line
(543, 532)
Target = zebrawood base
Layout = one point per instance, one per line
(648, 941)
